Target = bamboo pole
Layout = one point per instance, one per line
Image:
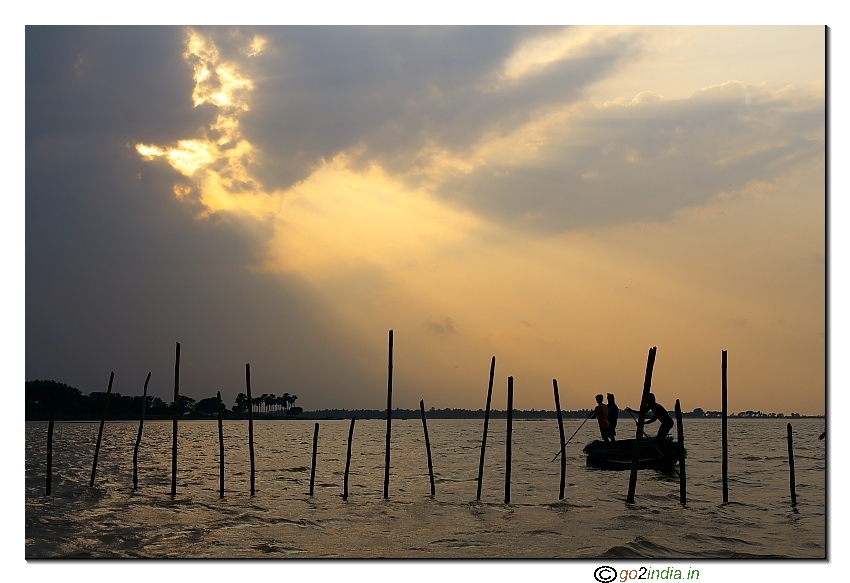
(348, 460)
(724, 428)
(563, 443)
(313, 468)
(508, 440)
(250, 423)
(174, 423)
(49, 485)
(791, 467)
(139, 435)
(647, 384)
(427, 444)
(680, 428)
(220, 449)
(486, 423)
(389, 418)
(100, 431)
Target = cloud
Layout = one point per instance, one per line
(392, 95)
(640, 161)
(444, 327)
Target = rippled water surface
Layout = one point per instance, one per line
(282, 520)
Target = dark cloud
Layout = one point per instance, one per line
(388, 92)
(118, 269)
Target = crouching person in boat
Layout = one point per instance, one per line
(659, 413)
(600, 413)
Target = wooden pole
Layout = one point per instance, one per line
(508, 440)
(389, 418)
(250, 423)
(174, 423)
(348, 460)
(427, 444)
(724, 428)
(647, 384)
(486, 422)
(683, 483)
(563, 442)
(313, 468)
(139, 435)
(791, 467)
(49, 488)
(220, 449)
(100, 431)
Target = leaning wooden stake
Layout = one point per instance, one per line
(250, 423)
(486, 422)
(313, 468)
(647, 384)
(220, 449)
(174, 423)
(100, 431)
(427, 444)
(139, 435)
(724, 429)
(683, 484)
(563, 442)
(49, 488)
(791, 467)
(508, 440)
(389, 419)
(348, 461)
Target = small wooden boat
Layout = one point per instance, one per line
(617, 455)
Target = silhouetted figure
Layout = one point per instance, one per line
(822, 435)
(613, 414)
(600, 413)
(659, 413)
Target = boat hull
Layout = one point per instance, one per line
(617, 456)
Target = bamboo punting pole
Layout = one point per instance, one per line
(250, 423)
(49, 485)
(683, 483)
(508, 440)
(791, 467)
(389, 418)
(100, 431)
(220, 449)
(647, 384)
(174, 423)
(427, 444)
(313, 468)
(348, 461)
(563, 443)
(724, 428)
(486, 422)
(139, 435)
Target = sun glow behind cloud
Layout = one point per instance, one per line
(218, 163)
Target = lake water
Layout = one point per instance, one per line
(282, 520)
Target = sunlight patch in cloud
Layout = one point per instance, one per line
(218, 162)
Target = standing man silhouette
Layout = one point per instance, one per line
(600, 413)
(613, 414)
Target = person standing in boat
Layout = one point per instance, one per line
(600, 413)
(613, 414)
(659, 413)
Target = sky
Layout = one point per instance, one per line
(563, 198)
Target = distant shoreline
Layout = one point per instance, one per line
(406, 414)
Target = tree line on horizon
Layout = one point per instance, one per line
(46, 397)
